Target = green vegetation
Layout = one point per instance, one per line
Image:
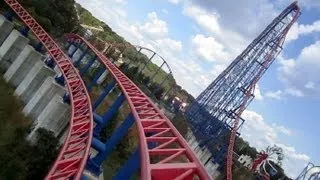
(137, 60)
(19, 159)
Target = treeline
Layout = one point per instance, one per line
(19, 159)
(130, 54)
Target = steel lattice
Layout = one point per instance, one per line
(149, 119)
(232, 91)
(74, 153)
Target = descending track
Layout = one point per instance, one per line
(74, 153)
(170, 145)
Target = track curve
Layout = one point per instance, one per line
(149, 119)
(75, 151)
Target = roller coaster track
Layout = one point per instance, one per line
(170, 147)
(74, 153)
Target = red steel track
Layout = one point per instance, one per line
(170, 145)
(74, 153)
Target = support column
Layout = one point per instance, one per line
(22, 65)
(103, 120)
(95, 78)
(42, 97)
(72, 49)
(76, 55)
(54, 117)
(5, 28)
(104, 150)
(87, 66)
(33, 81)
(102, 77)
(103, 94)
(11, 48)
(129, 168)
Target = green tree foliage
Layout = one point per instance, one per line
(20, 160)
(56, 16)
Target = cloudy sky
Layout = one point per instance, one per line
(199, 38)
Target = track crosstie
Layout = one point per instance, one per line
(150, 120)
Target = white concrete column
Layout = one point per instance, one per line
(76, 55)
(22, 65)
(64, 135)
(42, 97)
(54, 117)
(102, 77)
(33, 81)
(11, 48)
(71, 49)
(5, 28)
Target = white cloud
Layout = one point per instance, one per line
(257, 93)
(260, 135)
(283, 130)
(155, 26)
(175, 1)
(209, 49)
(301, 76)
(274, 94)
(300, 30)
(205, 19)
(175, 46)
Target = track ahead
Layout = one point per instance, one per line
(74, 153)
(170, 147)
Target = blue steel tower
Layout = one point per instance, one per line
(217, 110)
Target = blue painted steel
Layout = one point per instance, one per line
(38, 46)
(215, 109)
(66, 98)
(9, 15)
(95, 79)
(103, 120)
(129, 168)
(60, 80)
(103, 95)
(88, 65)
(25, 31)
(104, 150)
(50, 63)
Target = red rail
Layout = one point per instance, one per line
(171, 147)
(74, 153)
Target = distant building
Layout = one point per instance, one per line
(245, 160)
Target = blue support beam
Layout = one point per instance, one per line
(50, 63)
(60, 80)
(95, 79)
(131, 166)
(25, 31)
(88, 65)
(104, 150)
(103, 95)
(103, 120)
(38, 46)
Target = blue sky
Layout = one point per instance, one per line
(199, 38)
